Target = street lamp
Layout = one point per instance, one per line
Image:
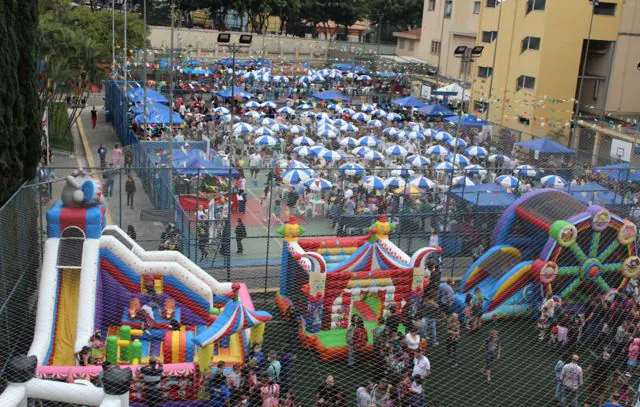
(244, 41)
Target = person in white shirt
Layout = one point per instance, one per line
(412, 339)
(572, 380)
(434, 241)
(363, 395)
(255, 160)
(421, 365)
(201, 214)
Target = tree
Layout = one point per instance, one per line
(20, 115)
(398, 14)
(346, 13)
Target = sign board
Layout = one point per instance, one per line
(621, 150)
(425, 92)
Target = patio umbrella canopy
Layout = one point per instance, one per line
(330, 95)
(545, 146)
(409, 101)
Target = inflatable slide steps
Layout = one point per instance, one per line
(365, 310)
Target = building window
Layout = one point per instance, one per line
(476, 7)
(401, 43)
(527, 82)
(604, 9)
(535, 5)
(489, 36)
(435, 47)
(448, 8)
(485, 71)
(480, 107)
(432, 5)
(524, 121)
(530, 43)
(411, 45)
(493, 3)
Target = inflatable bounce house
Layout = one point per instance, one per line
(97, 284)
(548, 242)
(329, 279)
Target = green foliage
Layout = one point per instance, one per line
(399, 14)
(59, 135)
(20, 115)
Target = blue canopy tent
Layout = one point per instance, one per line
(199, 165)
(596, 194)
(193, 62)
(409, 101)
(330, 95)
(229, 62)
(485, 195)
(545, 146)
(159, 114)
(620, 172)
(238, 92)
(388, 74)
(468, 120)
(137, 95)
(436, 110)
(260, 62)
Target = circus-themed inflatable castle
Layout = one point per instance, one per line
(100, 290)
(329, 279)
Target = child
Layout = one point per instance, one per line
(492, 349)
(453, 330)
(468, 308)
(634, 350)
(415, 391)
(543, 326)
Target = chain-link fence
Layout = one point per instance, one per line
(492, 225)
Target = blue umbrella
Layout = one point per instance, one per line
(375, 123)
(252, 105)
(393, 116)
(263, 131)
(462, 181)
(325, 122)
(349, 111)
(402, 172)
(348, 127)
(493, 158)
(458, 159)
(295, 176)
(442, 136)
(361, 116)
(221, 110)
(305, 79)
(309, 114)
(352, 169)
(476, 151)
(367, 108)
(401, 135)
(327, 133)
(317, 77)
(422, 183)
(302, 151)
(379, 113)
(507, 181)
(390, 131)
(291, 164)
(303, 141)
(475, 169)
(364, 78)
(305, 106)
(286, 110)
(252, 114)
(270, 105)
(415, 135)
(318, 184)
(317, 150)
(331, 155)
(418, 161)
(525, 171)
(267, 122)
(553, 181)
(279, 128)
(295, 129)
(339, 123)
(361, 151)
(242, 128)
(437, 150)
(444, 166)
(348, 142)
(266, 141)
(323, 116)
(457, 142)
(373, 156)
(395, 182)
(396, 151)
(280, 79)
(368, 141)
(373, 182)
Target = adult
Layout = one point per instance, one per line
(363, 395)
(381, 394)
(116, 156)
(274, 369)
(102, 153)
(599, 380)
(329, 394)
(255, 160)
(412, 339)
(94, 117)
(241, 233)
(572, 380)
(218, 390)
(152, 376)
(357, 338)
(614, 402)
(421, 365)
(558, 373)
(446, 297)
(430, 312)
(130, 189)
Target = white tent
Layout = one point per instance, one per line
(454, 87)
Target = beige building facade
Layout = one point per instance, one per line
(446, 24)
(540, 57)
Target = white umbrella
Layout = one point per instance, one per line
(462, 181)
(396, 151)
(296, 176)
(422, 182)
(303, 141)
(418, 161)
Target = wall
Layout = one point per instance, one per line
(623, 96)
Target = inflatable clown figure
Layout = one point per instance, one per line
(383, 227)
(290, 231)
